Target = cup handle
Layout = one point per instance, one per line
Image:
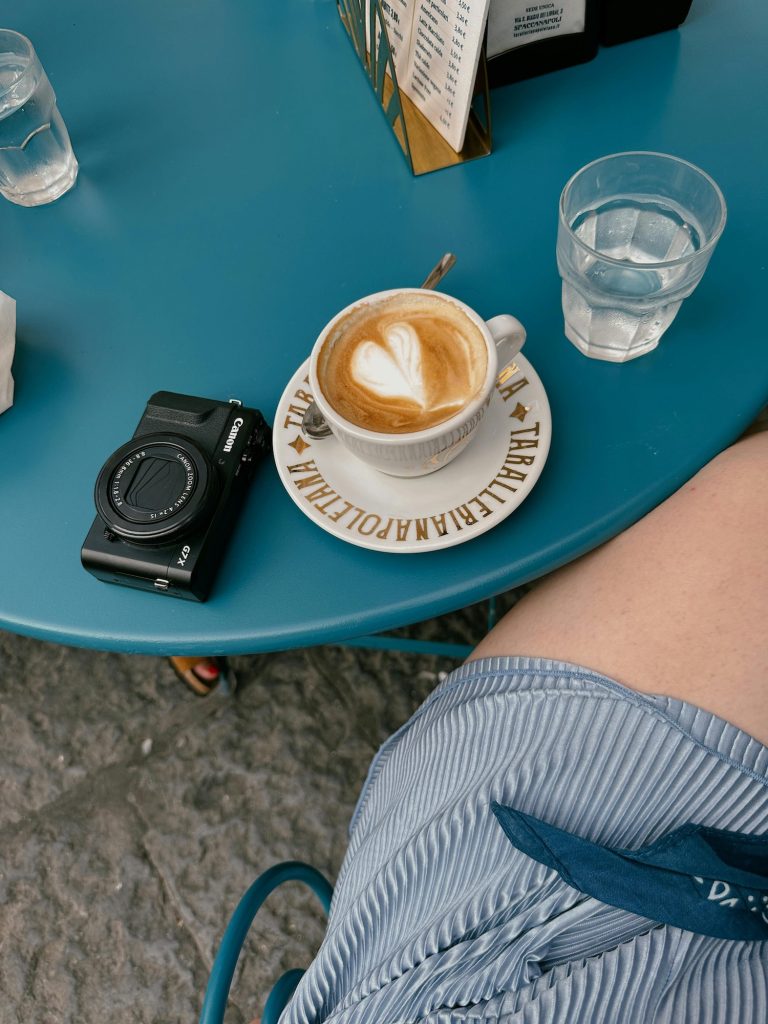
(509, 335)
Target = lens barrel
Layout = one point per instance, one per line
(154, 488)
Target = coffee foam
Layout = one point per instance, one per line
(403, 364)
(393, 370)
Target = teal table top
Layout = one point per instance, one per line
(238, 186)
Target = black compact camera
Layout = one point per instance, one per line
(166, 501)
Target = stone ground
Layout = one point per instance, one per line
(133, 815)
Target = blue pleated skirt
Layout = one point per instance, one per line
(438, 919)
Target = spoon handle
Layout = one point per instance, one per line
(438, 273)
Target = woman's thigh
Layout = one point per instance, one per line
(677, 604)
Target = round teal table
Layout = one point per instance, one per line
(238, 186)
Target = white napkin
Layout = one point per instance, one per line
(7, 346)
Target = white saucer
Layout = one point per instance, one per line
(471, 495)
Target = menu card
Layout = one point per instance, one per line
(436, 48)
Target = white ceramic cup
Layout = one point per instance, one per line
(421, 451)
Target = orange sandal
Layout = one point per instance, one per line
(204, 675)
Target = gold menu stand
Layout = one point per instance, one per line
(424, 147)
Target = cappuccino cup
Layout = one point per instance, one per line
(403, 377)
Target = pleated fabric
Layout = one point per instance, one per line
(438, 919)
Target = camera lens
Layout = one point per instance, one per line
(153, 483)
(155, 487)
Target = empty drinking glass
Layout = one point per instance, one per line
(635, 234)
(37, 164)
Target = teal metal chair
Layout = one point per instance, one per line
(220, 981)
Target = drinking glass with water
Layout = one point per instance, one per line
(635, 234)
(37, 164)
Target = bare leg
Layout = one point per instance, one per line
(677, 604)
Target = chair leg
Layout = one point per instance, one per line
(219, 983)
(279, 996)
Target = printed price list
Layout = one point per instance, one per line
(437, 47)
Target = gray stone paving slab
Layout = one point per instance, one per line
(133, 816)
(88, 933)
(65, 713)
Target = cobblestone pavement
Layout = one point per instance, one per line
(133, 815)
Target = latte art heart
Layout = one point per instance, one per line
(392, 370)
(402, 364)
